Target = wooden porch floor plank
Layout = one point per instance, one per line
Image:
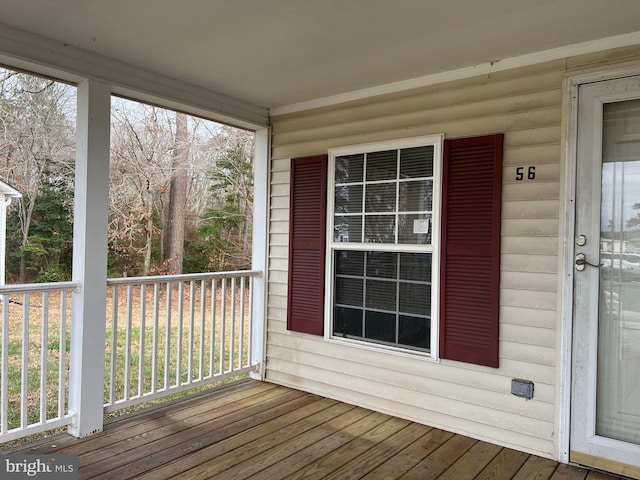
(600, 476)
(184, 441)
(373, 428)
(379, 453)
(182, 429)
(435, 464)
(282, 451)
(409, 457)
(254, 440)
(321, 467)
(565, 472)
(245, 453)
(472, 462)
(504, 466)
(536, 468)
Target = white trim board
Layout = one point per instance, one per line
(592, 46)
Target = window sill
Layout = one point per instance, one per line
(383, 349)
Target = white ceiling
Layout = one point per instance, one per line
(281, 52)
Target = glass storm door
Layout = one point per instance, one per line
(605, 405)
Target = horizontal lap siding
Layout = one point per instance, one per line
(525, 105)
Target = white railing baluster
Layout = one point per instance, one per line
(250, 325)
(44, 364)
(167, 346)
(62, 355)
(114, 343)
(4, 381)
(242, 294)
(223, 321)
(212, 341)
(203, 314)
(192, 309)
(141, 338)
(127, 343)
(24, 391)
(154, 348)
(232, 334)
(180, 334)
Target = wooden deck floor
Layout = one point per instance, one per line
(262, 431)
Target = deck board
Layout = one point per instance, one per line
(254, 430)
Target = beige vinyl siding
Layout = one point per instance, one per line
(527, 106)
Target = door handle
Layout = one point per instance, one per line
(581, 262)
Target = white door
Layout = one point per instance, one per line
(605, 406)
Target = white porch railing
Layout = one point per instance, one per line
(165, 334)
(34, 360)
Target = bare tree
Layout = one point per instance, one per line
(178, 196)
(140, 172)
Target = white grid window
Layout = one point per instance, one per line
(382, 223)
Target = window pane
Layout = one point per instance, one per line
(380, 326)
(382, 165)
(349, 169)
(349, 291)
(379, 229)
(349, 262)
(414, 229)
(415, 266)
(382, 264)
(348, 199)
(381, 197)
(416, 196)
(347, 229)
(347, 321)
(381, 295)
(416, 162)
(415, 298)
(414, 332)
(384, 198)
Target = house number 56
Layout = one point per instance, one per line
(530, 173)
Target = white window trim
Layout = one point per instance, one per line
(434, 248)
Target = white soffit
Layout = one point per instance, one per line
(285, 54)
(466, 72)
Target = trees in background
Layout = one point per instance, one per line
(36, 157)
(180, 187)
(225, 227)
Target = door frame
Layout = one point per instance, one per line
(567, 236)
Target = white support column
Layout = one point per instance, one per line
(86, 382)
(260, 247)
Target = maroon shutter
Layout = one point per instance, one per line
(470, 266)
(307, 218)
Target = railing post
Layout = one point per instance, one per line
(87, 357)
(261, 169)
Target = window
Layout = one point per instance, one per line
(386, 254)
(383, 197)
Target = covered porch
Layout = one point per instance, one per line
(251, 429)
(311, 78)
